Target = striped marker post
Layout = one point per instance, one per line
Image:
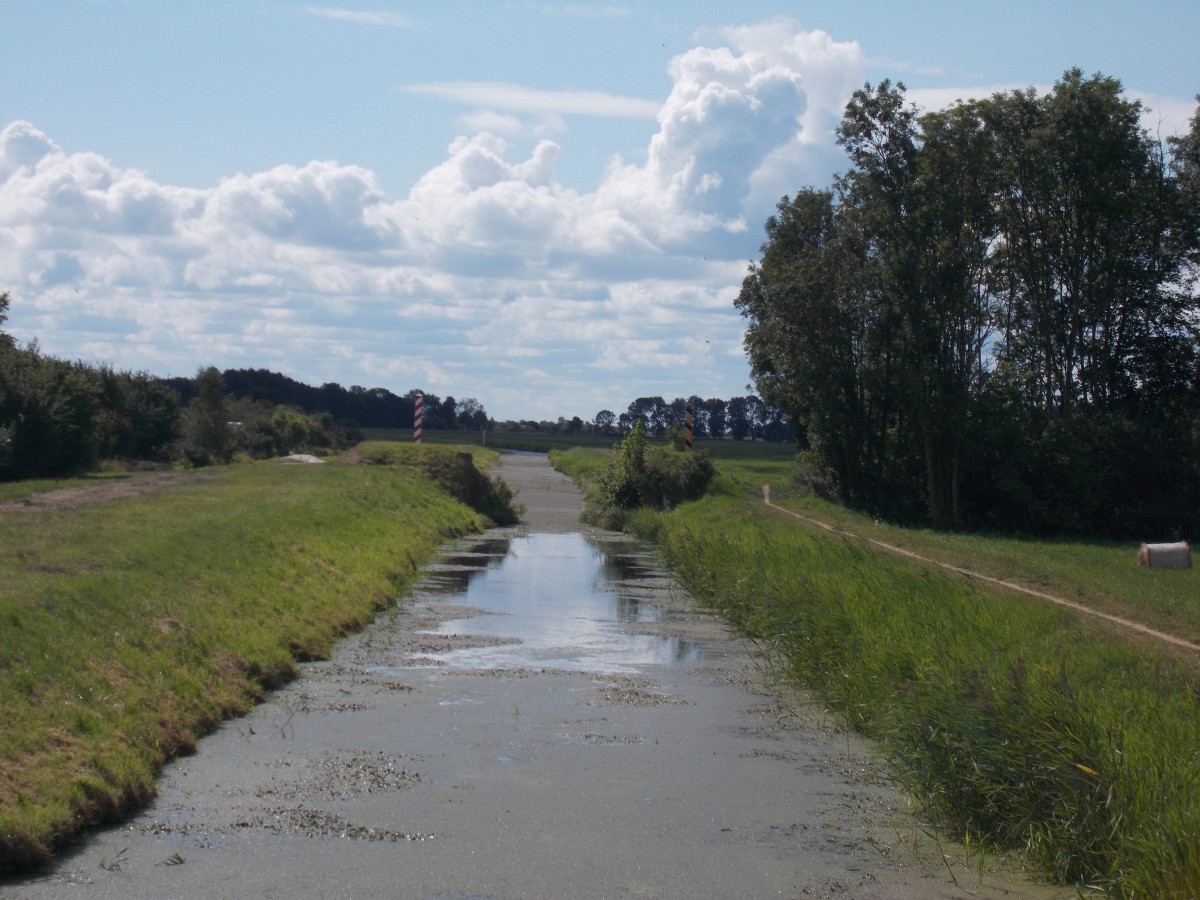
(687, 430)
(418, 418)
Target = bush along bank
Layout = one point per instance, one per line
(455, 471)
(1016, 726)
(129, 628)
(637, 476)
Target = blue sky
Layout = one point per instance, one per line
(548, 206)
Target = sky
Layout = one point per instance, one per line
(546, 206)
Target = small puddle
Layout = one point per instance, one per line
(555, 601)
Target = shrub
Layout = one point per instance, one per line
(641, 477)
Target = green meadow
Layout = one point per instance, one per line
(1021, 726)
(132, 626)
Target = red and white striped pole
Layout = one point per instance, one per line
(418, 418)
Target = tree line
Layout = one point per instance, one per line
(59, 417)
(991, 319)
(739, 418)
(364, 407)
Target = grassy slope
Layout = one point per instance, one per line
(1102, 574)
(1018, 723)
(130, 627)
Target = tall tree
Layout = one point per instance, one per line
(1092, 283)
(714, 417)
(653, 412)
(471, 414)
(996, 294)
(6, 340)
(207, 434)
(951, 317)
(877, 206)
(807, 332)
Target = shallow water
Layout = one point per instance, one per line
(555, 601)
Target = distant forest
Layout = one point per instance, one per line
(739, 418)
(356, 406)
(60, 418)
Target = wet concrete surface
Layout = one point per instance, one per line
(546, 715)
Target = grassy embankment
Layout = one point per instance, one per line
(130, 627)
(1019, 724)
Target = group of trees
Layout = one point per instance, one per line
(365, 407)
(217, 424)
(58, 417)
(739, 418)
(991, 319)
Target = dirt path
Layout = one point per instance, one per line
(126, 486)
(67, 498)
(385, 772)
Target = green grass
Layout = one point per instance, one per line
(19, 490)
(1103, 575)
(584, 465)
(543, 442)
(1021, 725)
(130, 627)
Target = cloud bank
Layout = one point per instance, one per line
(488, 279)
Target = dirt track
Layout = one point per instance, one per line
(66, 498)
(382, 774)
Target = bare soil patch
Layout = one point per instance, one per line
(71, 497)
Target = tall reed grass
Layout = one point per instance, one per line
(1017, 725)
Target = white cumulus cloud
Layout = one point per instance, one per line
(360, 17)
(487, 272)
(517, 98)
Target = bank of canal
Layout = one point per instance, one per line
(547, 715)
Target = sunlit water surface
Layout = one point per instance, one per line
(563, 601)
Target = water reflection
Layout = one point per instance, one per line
(452, 574)
(628, 566)
(567, 598)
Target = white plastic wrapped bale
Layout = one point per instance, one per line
(1165, 556)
